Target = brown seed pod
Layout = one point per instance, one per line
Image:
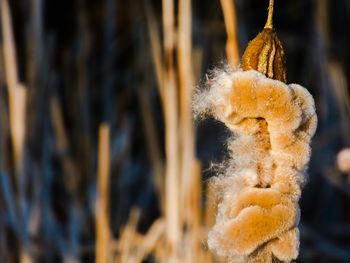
(265, 54)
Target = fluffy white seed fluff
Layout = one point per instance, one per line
(272, 125)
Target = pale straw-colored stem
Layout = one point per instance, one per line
(16, 91)
(269, 22)
(232, 50)
(172, 184)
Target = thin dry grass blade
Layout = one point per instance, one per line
(103, 235)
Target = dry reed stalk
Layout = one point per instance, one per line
(232, 49)
(182, 169)
(16, 91)
(193, 250)
(178, 114)
(9, 49)
(191, 168)
(150, 241)
(182, 172)
(17, 104)
(103, 236)
(129, 238)
(185, 72)
(172, 187)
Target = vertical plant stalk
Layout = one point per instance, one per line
(269, 21)
(232, 49)
(103, 235)
(190, 168)
(16, 91)
(172, 189)
(17, 104)
(185, 86)
(182, 169)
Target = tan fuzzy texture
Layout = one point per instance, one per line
(259, 186)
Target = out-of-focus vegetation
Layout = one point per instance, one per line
(98, 158)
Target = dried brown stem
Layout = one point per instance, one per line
(102, 203)
(269, 22)
(171, 130)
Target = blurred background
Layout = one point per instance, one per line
(99, 158)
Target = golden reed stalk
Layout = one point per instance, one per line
(103, 235)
